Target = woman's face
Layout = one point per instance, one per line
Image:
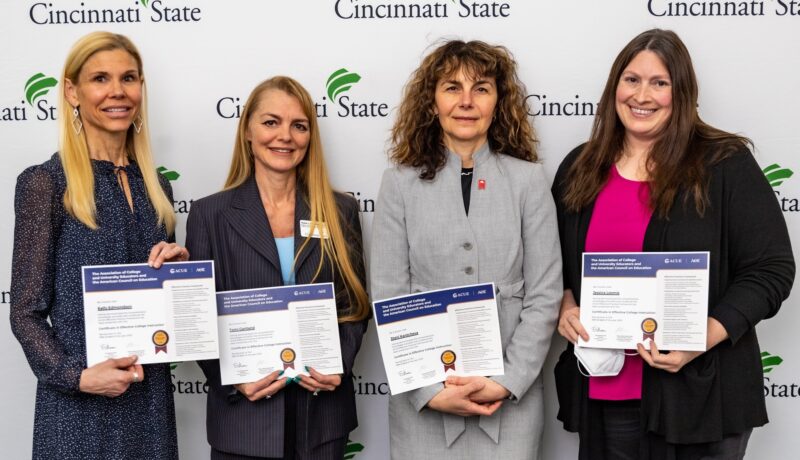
(465, 107)
(278, 132)
(644, 97)
(108, 92)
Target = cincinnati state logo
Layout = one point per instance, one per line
(168, 174)
(38, 86)
(425, 9)
(340, 99)
(34, 104)
(352, 449)
(776, 176)
(777, 389)
(769, 361)
(713, 8)
(338, 83)
(112, 12)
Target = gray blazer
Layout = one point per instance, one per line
(423, 240)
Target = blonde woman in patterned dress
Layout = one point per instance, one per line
(97, 201)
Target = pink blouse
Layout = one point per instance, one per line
(619, 221)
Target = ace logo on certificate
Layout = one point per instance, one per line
(627, 298)
(426, 336)
(162, 316)
(279, 328)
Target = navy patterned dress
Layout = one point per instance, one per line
(50, 246)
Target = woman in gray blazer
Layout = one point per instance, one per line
(466, 203)
(263, 230)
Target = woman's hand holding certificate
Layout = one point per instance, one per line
(425, 336)
(282, 329)
(161, 315)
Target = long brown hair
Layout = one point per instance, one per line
(686, 147)
(74, 150)
(313, 174)
(417, 139)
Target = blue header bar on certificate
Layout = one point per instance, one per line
(638, 264)
(100, 278)
(428, 303)
(270, 299)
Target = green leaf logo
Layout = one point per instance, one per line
(340, 81)
(776, 175)
(144, 2)
(768, 361)
(170, 175)
(352, 449)
(173, 366)
(37, 86)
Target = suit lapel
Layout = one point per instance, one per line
(248, 218)
(302, 211)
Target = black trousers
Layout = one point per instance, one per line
(293, 427)
(616, 434)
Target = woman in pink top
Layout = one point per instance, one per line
(655, 177)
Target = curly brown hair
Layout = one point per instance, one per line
(417, 139)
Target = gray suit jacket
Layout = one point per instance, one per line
(424, 240)
(231, 227)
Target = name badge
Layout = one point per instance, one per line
(305, 229)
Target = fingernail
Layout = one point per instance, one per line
(307, 369)
(281, 373)
(289, 381)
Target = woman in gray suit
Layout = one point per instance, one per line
(263, 230)
(466, 203)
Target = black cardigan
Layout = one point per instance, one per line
(752, 270)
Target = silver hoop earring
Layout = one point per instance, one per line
(138, 127)
(77, 124)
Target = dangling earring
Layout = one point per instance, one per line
(138, 127)
(77, 124)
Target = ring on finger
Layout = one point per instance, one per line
(267, 396)
(316, 392)
(135, 377)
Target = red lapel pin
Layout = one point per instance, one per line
(481, 184)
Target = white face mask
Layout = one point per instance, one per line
(599, 362)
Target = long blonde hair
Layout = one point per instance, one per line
(314, 175)
(74, 150)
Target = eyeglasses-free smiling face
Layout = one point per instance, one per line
(465, 106)
(279, 132)
(644, 97)
(108, 91)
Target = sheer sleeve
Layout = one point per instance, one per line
(32, 278)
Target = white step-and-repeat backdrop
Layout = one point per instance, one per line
(202, 58)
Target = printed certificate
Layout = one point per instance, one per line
(161, 316)
(426, 336)
(627, 298)
(278, 328)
